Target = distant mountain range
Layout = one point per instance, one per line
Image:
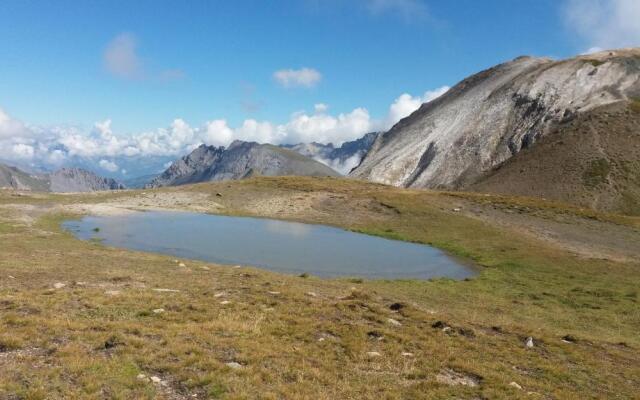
(342, 159)
(567, 130)
(240, 160)
(62, 180)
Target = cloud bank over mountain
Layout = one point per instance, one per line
(52, 147)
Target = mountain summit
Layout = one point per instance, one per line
(451, 142)
(240, 160)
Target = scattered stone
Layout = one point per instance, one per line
(205, 268)
(225, 302)
(406, 354)
(394, 322)
(12, 277)
(321, 339)
(373, 354)
(529, 342)
(142, 377)
(456, 209)
(59, 285)
(219, 194)
(112, 292)
(183, 265)
(158, 310)
(156, 379)
(454, 378)
(312, 294)
(375, 335)
(112, 342)
(237, 266)
(273, 293)
(446, 329)
(166, 290)
(396, 306)
(219, 294)
(467, 332)
(569, 339)
(515, 385)
(234, 365)
(439, 325)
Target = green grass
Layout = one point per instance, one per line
(634, 104)
(596, 173)
(55, 338)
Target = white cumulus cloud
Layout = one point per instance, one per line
(108, 165)
(604, 24)
(406, 104)
(304, 77)
(55, 146)
(121, 58)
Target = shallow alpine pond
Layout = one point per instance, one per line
(286, 247)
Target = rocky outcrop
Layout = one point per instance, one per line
(63, 180)
(486, 119)
(343, 159)
(240, 160)
(80, 180)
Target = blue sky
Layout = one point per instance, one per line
(143, 65)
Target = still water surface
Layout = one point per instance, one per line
(280, 246)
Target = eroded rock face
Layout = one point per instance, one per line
(487, 118)
(62, 180)
(80, 180)
(240, 160)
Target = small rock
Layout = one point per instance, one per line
(373, 354)
(176, 261)
(529, 342)
(515, 385)
(237, 266)
(405, 354)
(439, 325)
(155, 379)
(219, 194)
(225, 302)
(274, 293)
(394, 322)
(182, 265)
(234, 365)
(166, 290)
(446, 329)
(219, 294)
(158, 310)
(456, 209)
(569, 339)
(112, 292)
(321, 339)
(454, 378)
(312, 294)
(396, 306)
(142, 377)
(205, 268)
(12, 277)
(59, 285)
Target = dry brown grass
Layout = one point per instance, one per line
(94, 336)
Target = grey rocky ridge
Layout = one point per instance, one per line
(455, 140)
(342, 158)
(240, 160)
(62, 180)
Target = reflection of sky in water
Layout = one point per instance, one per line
(277, 245)
(288, 228)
